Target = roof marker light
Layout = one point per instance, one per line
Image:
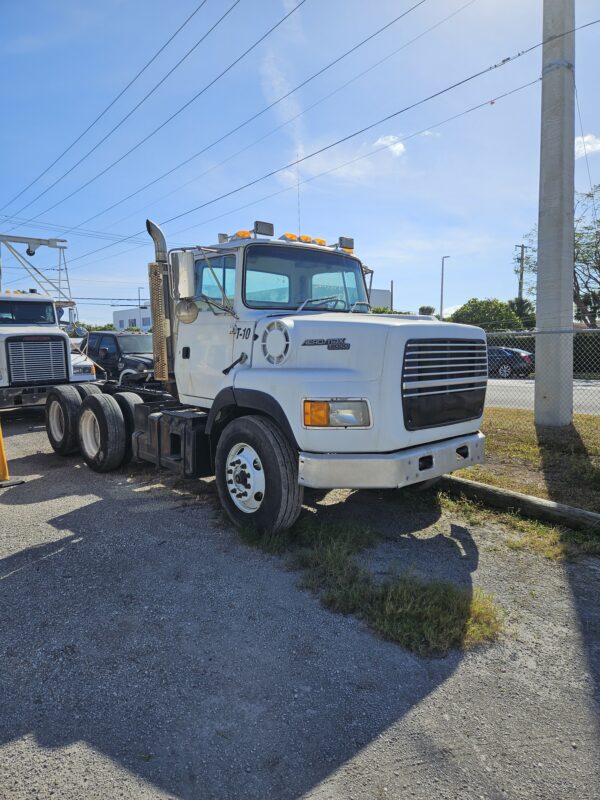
(320, 242)
(242, 235)
(289, 237)
(306, 239)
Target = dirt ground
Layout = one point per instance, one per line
(146, 652)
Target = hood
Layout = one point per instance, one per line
(344, 341)
(31, 330)
(78, 359)
(138, 358)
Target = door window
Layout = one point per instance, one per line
(223, 268)
(108, 343)
(92, 343)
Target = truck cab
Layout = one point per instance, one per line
(277, 377)
(34, 351)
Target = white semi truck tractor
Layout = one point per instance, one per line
(278, 377)
(35, 353)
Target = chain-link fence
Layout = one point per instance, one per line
(512, 367)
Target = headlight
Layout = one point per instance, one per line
(336, 414)
(84, 369)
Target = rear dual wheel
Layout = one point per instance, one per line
(106, 424)
(99, 425)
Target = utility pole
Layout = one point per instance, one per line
(554, 316)
(521, 269)
(442, 291)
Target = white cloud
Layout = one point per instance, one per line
(435, 134)
(393, 144)
(586, 144)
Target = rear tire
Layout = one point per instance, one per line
(127, 402)
(256, 471)
(102, 435)
(504, 371)
(85, 389)
(62, 413)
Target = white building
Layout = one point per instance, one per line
(136, 317)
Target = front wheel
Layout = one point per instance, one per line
(256, 471)
(505, 370)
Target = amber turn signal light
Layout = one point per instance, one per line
(316, 413)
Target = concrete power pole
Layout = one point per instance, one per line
(554, 350)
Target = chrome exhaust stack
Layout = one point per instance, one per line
(160, 305)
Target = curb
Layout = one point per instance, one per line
(525, 504)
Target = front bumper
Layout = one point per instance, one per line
(14, 396)
(390, 470)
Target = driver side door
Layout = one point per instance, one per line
(205, 346)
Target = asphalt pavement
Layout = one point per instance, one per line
(519, 393)
(145, 652)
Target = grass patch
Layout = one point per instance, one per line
(551, 541)
(560, 464)
(427, 617)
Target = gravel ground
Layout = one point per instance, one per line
(146, 653)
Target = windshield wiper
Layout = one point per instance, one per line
(318, 300)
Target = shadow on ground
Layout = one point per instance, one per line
(147, 631)
(585, 599)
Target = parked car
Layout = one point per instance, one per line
(507, 362)
(125, 357)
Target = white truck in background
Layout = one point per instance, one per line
(35, 353)
(277, 377)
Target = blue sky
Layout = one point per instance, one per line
(467, 188)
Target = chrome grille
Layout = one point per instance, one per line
(443, 381)
(432, 366)
(37, 361)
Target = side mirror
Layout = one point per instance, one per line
(184, 268)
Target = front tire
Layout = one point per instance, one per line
(102, 433)
(256, 471)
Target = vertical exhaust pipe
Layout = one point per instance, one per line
(161, 306)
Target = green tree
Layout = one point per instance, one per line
(525, 310)
(89, 327)
(586, 258)
(490, 314)
(427, 310)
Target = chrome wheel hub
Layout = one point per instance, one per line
(245, 478)
(89, 433)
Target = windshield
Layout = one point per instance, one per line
(26, 313)
(137, 343)
(286, 277)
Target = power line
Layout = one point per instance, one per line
(587, 164)
(174, 115)
(354, 160)
(247, 147)
(270, 106)
(129, 113)
(108, 107)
